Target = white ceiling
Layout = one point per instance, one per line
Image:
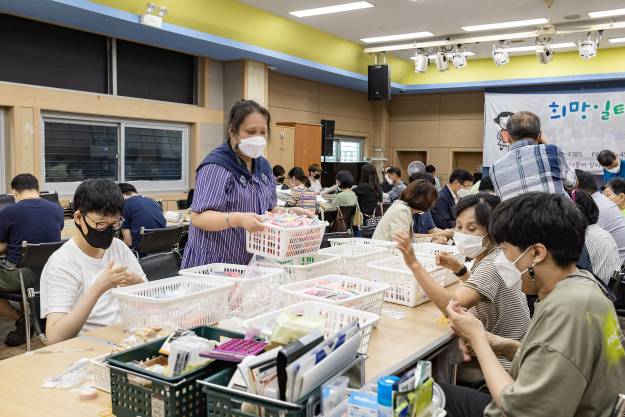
(442, 18)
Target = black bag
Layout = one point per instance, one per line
(370, 222)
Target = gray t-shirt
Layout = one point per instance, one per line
(572, 360)
(611, 219)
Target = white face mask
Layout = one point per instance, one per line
(253, 146)
(616, 169)
(469, 245)
(463, 192)
(508, 271)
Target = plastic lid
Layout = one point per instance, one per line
(385, 390)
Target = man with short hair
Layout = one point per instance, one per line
(431, 169)
(612, 165)
(615, 191)
(393, 178)
(139, 211)
(460, 182)
(77, 279)
(610, 217)
(385, 186)
(531, 164)
(31, 219)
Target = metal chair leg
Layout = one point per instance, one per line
(26, 308)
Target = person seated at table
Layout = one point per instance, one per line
(301, 194)
(139, 211)
(504, 311)
(423, 224)
(613, 166)
(77, 279)
(419, 197)
(460, 181)
(615, 191)
(393, 178)
(368, 190)
(280, 175)
(314, 176)
(31, 219)
(345, 197)
(571, 362)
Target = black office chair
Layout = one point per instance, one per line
(160, 203)
(6, 200)
(325, 240)
(159, 240)
(52, 197)
(182, 204)
(161, 265)
(33, 258)
(190, 197)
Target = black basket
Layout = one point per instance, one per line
(136, 392)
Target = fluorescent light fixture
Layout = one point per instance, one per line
(616, 40)
(532, 48)
(607, 13)
(402, 37)
(504, 25)
(345, 7)
(467, 53)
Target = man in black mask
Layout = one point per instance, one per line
(75, 282)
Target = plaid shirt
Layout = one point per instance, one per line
(529, 167)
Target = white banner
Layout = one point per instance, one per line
(582, 124)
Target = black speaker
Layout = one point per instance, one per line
(327, 137)
(379, 82)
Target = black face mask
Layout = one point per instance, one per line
(98, 239)
(317, 176)
(280, 180)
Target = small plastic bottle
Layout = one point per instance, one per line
(385, 395)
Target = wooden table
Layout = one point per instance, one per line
(395, 345)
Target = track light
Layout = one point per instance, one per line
(588, 47)
(500, 55)
(150, 8)
(150, 19)
(459, 58)
(544, 53)
(421, 61)
(162, 11)
(440, 58)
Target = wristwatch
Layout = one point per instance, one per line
(462, 272)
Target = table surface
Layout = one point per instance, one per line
(395, 344)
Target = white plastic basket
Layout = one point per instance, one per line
(100, 374)
(405, 289)
(334, 319)
(360, 241)
(282, 243)
(205, 302)
(307, 267)
(370, 295)
(353, 258)
(242, 278)
(433, 249)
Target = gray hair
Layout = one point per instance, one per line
(523, 124)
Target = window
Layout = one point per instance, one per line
(154, 155)
(346, 149)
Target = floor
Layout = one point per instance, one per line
(6, 352)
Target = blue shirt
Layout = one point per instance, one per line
(33, 220)
(607, 175)
(140, 211)
(423, 223)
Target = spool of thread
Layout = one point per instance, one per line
(385, 395)
(87, 394)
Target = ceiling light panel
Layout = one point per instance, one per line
(607, 13)
(402, 37)
(338, 8)
(617, 40)
(504, 25)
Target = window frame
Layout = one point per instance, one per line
(338, 139)
(68, 188)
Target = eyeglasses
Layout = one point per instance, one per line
(102, 226)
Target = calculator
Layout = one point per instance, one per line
(235, 350)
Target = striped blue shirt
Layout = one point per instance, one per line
(217, 189)
(530, 167)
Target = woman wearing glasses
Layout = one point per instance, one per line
(234, 187)
(76, 280)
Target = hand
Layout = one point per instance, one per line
(439, 239)
(500, 346)
(134, 279)
(404, 244)
(112, 276)
(303, 212)
(448, 261)
(464, 323)
(466, 349)
(251, 222)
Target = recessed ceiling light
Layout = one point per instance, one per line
(532, 48)
(616, 40)
(346, 7)
(503, 25)
(467, 53)
(391, 38)
(607, 13)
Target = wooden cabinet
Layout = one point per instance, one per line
(295, 144)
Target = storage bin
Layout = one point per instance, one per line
(281, 243)
(307, 267)
(353, 258)
(435, 248)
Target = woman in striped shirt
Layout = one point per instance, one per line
(234, 186)
(503, 310)
(301, 194)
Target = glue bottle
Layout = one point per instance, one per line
(385, 395)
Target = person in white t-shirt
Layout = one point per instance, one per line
(76, 281)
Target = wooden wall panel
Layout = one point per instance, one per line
(307, 146)
(406, 134)
(341, 102)
(416, 107)
(462, 106)
(461, 133)
(284, 115)
(292, 93)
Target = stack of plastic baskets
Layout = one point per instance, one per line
(353, 258)
(244, 278)
(281, 243)
(334, 319)
(368, 295)
(306, 267)
(183, 302)
(405, 289)
(434, 248)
